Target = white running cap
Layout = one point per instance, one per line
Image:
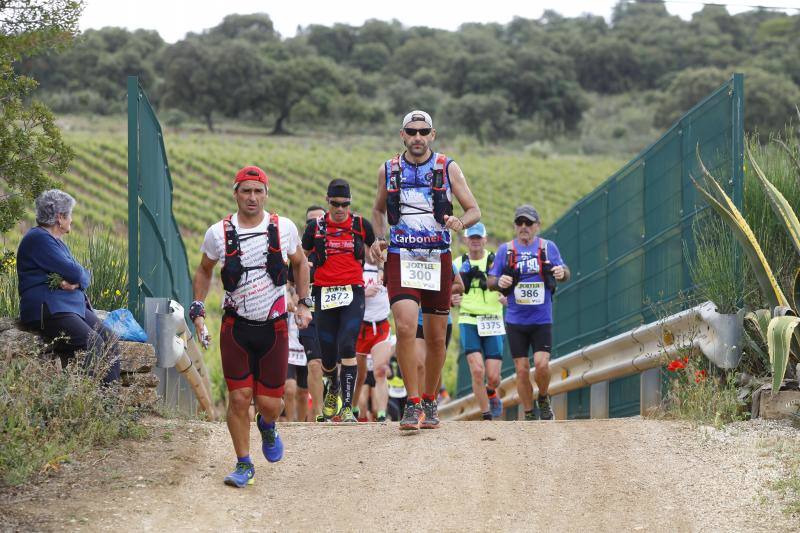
(417, 115)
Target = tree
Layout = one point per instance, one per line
(255, 28)
(293, 80)
(482, 115)
(189, 81)
(31, 147)
(769, 98)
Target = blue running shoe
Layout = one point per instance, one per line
(496, 406)
(242, 476)
(271, 443)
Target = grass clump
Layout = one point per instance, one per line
(699, 392)
(49, 415)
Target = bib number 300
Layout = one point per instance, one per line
(340, 296)
(529, 293)
(420, 272)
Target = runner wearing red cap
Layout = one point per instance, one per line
(254, 247)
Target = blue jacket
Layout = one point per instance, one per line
(38, 255)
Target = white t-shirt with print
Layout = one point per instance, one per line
(256, 297)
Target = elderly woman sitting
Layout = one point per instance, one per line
(63, 314)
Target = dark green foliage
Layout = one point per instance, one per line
(539, 72)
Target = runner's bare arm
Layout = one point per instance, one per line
(458, 285)
(495, 284)
(379, 224)
(472, 213)
(202, 278)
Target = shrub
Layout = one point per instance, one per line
(48, 415)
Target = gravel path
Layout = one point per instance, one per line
(591, 475)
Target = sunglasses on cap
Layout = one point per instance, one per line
(338, 204)
(411, 132)
(524, 222)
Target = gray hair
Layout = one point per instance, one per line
(52, 203)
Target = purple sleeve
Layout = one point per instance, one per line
(553, 254)
(499, 261)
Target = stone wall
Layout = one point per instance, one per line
(137, 361)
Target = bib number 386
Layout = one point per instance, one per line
(420, 271)
(529, 293)
(340, 296)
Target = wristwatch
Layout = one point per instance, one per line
(308, 301)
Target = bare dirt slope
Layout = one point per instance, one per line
(599, 475)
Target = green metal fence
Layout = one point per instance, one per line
(624, 242)
(157, 261)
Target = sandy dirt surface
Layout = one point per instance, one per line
(598, 475)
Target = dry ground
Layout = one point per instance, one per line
(598, 475)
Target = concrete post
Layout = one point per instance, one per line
(559, 404)
(650, 387)
(598, 400)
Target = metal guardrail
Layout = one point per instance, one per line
(641, 349)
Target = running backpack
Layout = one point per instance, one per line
(545, 268)
(321, 236)
(441, 204)
(233, 269)
(474, 272)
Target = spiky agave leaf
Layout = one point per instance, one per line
(779, 340)
(743, 233)
(759, 319)
(779, 205)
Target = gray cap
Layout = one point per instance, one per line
(418, 115)
(526, 211)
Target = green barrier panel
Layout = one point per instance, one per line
(157, 261)
(624, 240)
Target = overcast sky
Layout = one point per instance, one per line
(174, 18)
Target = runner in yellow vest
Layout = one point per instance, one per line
(480, 322)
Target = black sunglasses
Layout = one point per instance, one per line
(411, 132)
(524, 222)
(339, 204)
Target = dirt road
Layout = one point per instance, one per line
(599, 475)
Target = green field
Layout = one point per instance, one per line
(202, 166)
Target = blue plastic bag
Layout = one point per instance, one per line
(124, 326)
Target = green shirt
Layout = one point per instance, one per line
(477, 301)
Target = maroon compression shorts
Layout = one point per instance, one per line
(255, 354)
(431, 302)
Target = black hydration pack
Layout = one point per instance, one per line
(441, 204)
(321, 238)
(475, 273)
(545, 268)
(233, 270)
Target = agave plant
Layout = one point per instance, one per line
(776, 327)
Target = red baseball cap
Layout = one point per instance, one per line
(251, 173)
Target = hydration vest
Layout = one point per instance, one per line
(474, 272)
(233, 269)
(321, 237)
(545, 268)
(441, 204)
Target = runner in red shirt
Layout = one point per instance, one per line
(338, 241)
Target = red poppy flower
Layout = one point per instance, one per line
(675, 365)
(700, 375)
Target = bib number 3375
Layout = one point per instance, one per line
(339, 296)
(420, 271)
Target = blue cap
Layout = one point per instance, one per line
(478, 230)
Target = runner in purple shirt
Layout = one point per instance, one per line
(526, 270)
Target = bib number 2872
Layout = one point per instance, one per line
(332, 297)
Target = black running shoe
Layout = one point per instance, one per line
(530, 416)
(429, 409)
(545, 411)
(412, 417)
